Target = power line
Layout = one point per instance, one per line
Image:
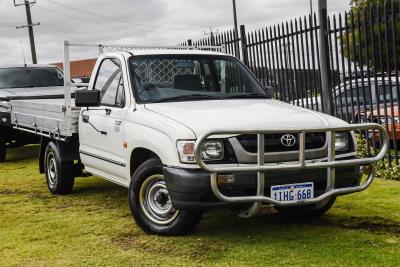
(58, 35)
(119, 20)
(77, 17)
(69, 31)
(8, 23)
(29, 25)
(72, 34)
(67, 35)
(66, 14)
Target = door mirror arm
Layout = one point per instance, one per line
(85, 119)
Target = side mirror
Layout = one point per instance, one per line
(87, 98)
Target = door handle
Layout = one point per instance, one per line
(118, 122)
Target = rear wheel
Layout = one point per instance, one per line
(59, 174)
(308, 211)
(2, 149)
(151, 205)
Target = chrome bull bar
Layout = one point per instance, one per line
(302, 164)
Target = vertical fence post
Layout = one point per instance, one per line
(327, 100)
(189, 42)
(244, 45)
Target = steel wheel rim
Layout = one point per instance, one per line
(155, 201)
(51, 169)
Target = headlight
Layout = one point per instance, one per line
(210, 151)
(341, 142)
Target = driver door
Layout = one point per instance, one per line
(102, 137)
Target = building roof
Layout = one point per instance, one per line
(80, 68)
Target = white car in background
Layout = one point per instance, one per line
(358, 96)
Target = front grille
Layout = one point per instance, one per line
(273, 142)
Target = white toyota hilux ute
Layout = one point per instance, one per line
(188, 130)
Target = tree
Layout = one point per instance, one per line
(373, 35)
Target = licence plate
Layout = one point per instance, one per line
(292, 192)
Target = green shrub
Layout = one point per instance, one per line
(383, 168)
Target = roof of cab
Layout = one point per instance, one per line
(147, 52)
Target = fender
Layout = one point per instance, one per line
(154, 140)
(69, 150)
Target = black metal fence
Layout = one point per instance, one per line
(363, 59)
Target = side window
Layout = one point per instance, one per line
(109, 82)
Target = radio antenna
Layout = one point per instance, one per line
(23, 53)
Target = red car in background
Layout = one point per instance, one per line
(387, 117)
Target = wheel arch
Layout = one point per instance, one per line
(69, 151)
(138, 156)
(43, 145)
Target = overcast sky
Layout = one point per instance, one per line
(144, 22)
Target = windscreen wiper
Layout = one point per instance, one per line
(185, 97)
(258, 96)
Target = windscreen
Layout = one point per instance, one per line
(30, 77)
(160, 78)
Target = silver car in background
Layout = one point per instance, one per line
(25, 82)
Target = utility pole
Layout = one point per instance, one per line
(324, 55)
(235, 23)
(311, 7)
(212, 35)
(29, 25)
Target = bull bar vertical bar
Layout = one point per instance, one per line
(330, 183)
(260, 178)
(331, 164)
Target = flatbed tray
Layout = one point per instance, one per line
(45, 117)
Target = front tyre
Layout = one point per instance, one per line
(308, 211)
(151, 205)
(59, 174)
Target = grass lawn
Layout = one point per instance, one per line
(94, 226)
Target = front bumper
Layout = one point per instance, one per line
(13, 137)
(332, 176)
(191, 189)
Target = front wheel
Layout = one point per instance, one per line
(59, 174)
(151, 204)
(308, 211)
